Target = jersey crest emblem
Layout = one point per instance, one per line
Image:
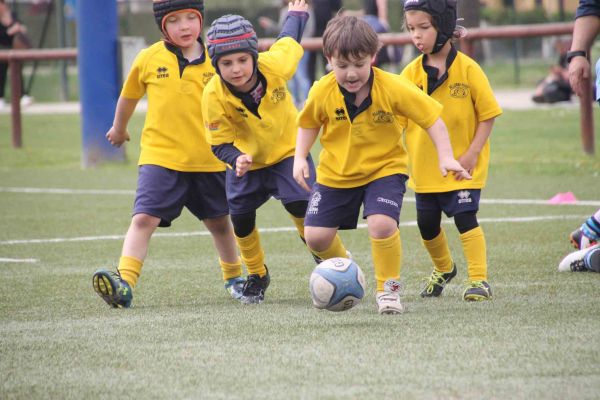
(278, 95)
(207, 76)
(383, 117)
(459, 90)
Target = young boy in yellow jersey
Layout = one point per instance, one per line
(459, 84)
(250, 122)
(361, 110)
(176, 167)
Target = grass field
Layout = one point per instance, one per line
(186, 339)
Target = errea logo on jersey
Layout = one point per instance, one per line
(162, 72)
(459, 90)
(340, 114)
(464, 196)
(242, 112)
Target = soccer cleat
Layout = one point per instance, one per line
(388, 301)
(112, 288)
(437, 281)
(576, 261)
(234, 287)
(477, 291)
(253, 291)
(579, 240)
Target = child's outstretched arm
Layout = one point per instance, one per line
(439, 136)
(117, 134)
(304, 141)
(295, 22)
(469, 159)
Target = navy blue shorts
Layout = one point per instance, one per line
(339, 208)
(451, 203)
(163, 192)
(247, 193)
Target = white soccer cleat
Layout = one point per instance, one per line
(388, 301)
(574, 262)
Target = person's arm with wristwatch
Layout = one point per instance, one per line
(587, 27)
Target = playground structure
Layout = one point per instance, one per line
(16, 57)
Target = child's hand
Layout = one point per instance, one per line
(298, 5)
(468, 160)
(117, 137)
(301, 172)
(242, 165)
(450, 164)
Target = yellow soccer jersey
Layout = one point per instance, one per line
(370, 147)
(467, 99)
(272, 137)
(173, 135)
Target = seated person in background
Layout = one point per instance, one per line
(555, 87)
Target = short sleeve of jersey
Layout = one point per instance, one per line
(312, 115)
(134, 86)
(415, 105)
(282, 58)
(218, 126)
(482, 94)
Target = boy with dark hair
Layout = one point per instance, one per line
(362, 111)
(176, 167)
(250, 122)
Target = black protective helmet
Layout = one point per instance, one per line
(443, 13)
(231, 34)
(162, 8)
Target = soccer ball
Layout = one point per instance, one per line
(337, 284)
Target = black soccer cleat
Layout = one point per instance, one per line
(437, 282)
(254, 288)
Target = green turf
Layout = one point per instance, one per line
(186, 339)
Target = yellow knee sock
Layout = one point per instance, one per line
(439, 252)
(387, 258)
(130, 269)
(252, 253)
(336, 249)
(231, 270)
(299, 223)
(474, 247)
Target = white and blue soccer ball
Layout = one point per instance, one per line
(337, 284)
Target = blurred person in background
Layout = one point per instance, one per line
(323, 11)
(300, 83)
(13, 35)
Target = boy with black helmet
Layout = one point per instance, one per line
(460, 85)
(361, 112)
(176, 167)
(250, 122)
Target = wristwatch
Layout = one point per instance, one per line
(575, 53)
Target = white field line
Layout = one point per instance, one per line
(407, 199)
(19, 260)
(281, 229)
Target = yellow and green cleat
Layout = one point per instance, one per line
(112, 288)
(436, 282)
(477, 291)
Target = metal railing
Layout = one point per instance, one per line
(16, 57)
